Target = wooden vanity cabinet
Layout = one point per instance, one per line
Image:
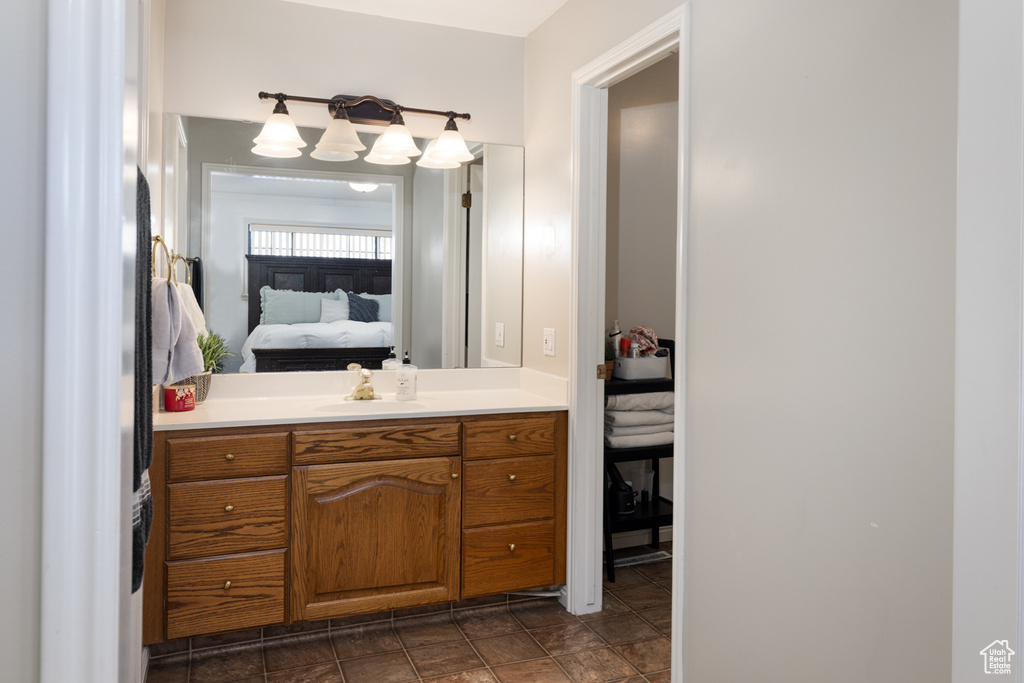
(258, 526)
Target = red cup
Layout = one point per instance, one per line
(180, 399)
(624, 344)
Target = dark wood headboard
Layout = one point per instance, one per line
(314, 274)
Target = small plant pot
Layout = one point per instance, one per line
(201, 382)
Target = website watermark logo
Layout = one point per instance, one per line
(998, 657)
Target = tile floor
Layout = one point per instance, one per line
(491, 640)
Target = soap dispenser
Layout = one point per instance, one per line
(405, 378)
(391, 362)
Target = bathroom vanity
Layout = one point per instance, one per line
(281, 522)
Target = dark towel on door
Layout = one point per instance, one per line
(196, 268)
(142, 501)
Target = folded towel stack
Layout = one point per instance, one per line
(636, 420)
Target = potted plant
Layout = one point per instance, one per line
(214, 350)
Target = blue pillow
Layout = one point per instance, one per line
(384, 314)
(362, 310)
(286, 307)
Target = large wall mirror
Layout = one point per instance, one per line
(439, 251)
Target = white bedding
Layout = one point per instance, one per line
(339, 334)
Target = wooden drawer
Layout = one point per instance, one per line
(226, 517)
(496, 559)
(200, 599)
(375, 443)
(227, 457)
(510, 438)
(508, 490)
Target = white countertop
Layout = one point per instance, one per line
(288, 398)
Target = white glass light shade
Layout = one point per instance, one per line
(363, 187)
(386, 159)
(332, 155)
(428, 160)
(451, 147)
(396, 140)
(279, 138)
(341, 136)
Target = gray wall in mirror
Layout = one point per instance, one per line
(435, 234)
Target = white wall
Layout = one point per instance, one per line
(643, 118)
(220, 55)
(986, 592)
(819, 500)
(22, 188)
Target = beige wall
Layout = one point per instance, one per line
(819, 501)
(219, 55)
(22, 187)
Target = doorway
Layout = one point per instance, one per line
(589, 167)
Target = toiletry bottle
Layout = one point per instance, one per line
(391, 362)
(615, 335)
(405, 378)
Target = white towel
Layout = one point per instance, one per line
(632, 418)
(176, 352)
(191, 306)
(639, 429)
(659, 400)
(638, 440)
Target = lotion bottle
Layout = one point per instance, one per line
(391, 362)
(405, 378)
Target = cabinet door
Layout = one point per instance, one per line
(373, 536)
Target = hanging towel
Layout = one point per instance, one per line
(638, 440)
(142, 501)
(632, 418)
(192, 309)
(659, 400)
(176, 352)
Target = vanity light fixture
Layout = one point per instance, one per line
(395, 146)
(363, 187)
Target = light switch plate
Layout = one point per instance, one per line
(549, 341)
(499, 334)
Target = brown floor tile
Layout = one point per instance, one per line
(344, 622)
(667, 585)
(169, 648)
(656, 571)
(365, 640)
(429, 630)
(644, 597)
(482, 601)
(596, 666)
(610, 607)
(565, 638)
(296, 628)
(393, 667)
(648, 655)
(539, 614)
(321, 673)
(660, 677)
(634, 679)
(425, 609)
(625, 628)
(624, 578)
(235, 637)
(544, 670)
(484, 622)
(659, 617)
(513, 647)
(229, 664)
(294, 652)
(171, 669)
(445, 658)
(477, 676)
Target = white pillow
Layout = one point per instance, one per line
(331, 310)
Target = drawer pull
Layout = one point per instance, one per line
(455, 475)
(511, 477)
(227, 585)
(229, 508)
(511, 547)
(511, 437)
(229, 456)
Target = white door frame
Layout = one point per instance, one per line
(589, 169)
(85, 624)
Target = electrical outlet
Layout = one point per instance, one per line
(499, 334)
(549, 341)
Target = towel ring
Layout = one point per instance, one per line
(157, 239)
(175, 258)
